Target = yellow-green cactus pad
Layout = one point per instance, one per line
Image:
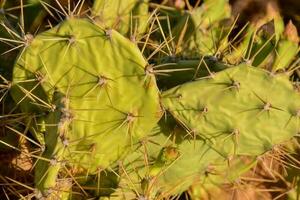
(92, 90)
(242, 110)
(166, 164)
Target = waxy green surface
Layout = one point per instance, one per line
(90, 87)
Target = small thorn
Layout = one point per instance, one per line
(38, 194)
(276, 148)
(40, 77)
(205, 110)
(272, 74)
(230, 158)
(43, 148)
(141, 197)
(102, 81)
(9, 85)
(65, 142)
(28, 38)
(108, 33)
(297, 113)
(53, 162)
(133, 39)
(267, 106)
(236, 131)
(72, 39)
(67, 115)
(130, 117)
(236, 84)
(209, 170)
(92, 147)
(212, 75)
(149, 70)
(179, 96)
(65, 101)
(248, 62)
(53, 107)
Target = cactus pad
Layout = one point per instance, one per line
(90, 87)
(242, 110)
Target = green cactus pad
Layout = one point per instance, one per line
(242, 110)
(91, 89)
(167, 163)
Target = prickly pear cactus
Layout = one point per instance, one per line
(242, 110)
(167, 163)
(91, 89)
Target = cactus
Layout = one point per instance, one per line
(170, 161)
(125, 16)
(165, 164)
(82, 105)
(238, 111)
(78, 96)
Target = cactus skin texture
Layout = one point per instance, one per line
(242, 110)
(80, 96)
